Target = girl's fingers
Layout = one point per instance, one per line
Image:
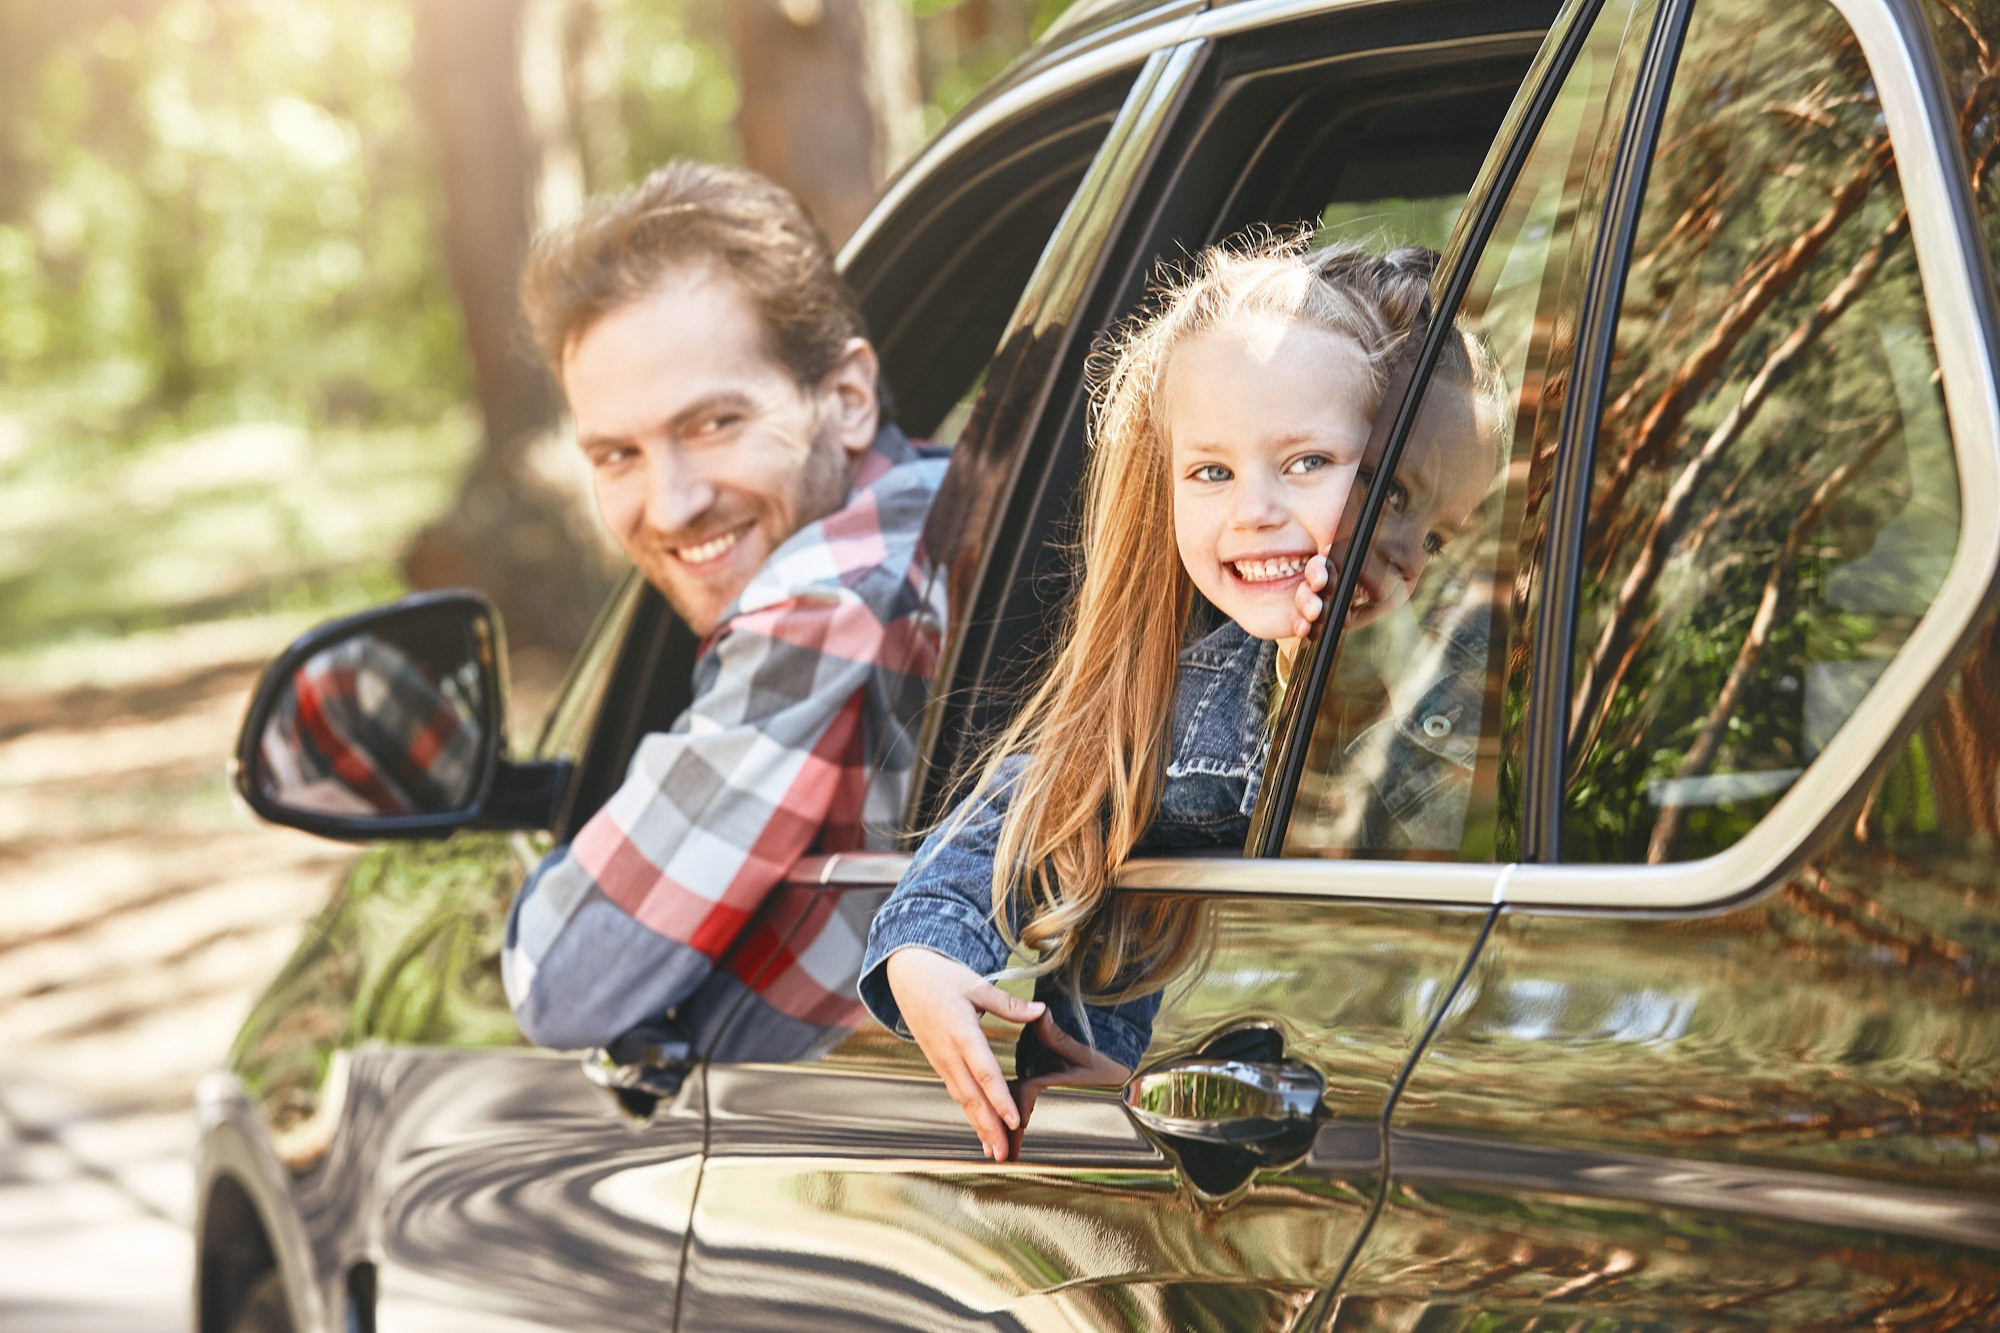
(992, 1084)
(972, 1104)
(1315, 576)
(990, 999)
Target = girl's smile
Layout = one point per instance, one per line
(1266, 424)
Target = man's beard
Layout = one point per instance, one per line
(820, 487)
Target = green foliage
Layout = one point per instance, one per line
(233, 220)
(220, 224)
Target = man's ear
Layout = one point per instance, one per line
(849, 389)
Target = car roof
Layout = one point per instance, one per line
(1090, 40)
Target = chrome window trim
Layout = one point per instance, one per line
(1425, 883)
(1403, 883)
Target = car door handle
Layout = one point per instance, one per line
(1269, 1108)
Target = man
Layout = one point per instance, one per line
(725, 398)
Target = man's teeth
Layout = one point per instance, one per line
(1264, 571)
(1362, 597)
(709, 549)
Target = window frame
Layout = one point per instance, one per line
(1519, 135)
(1176, 194)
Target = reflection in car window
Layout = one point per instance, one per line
(1408, 751)
(1774, 500)
(1404, 221)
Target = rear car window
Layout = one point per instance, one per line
(1774, 500)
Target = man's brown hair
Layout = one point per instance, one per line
(623, 244)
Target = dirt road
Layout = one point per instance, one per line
(143, 910)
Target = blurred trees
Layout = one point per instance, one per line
(312, 213)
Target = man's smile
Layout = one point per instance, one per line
(712, 550)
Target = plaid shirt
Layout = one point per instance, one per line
(362, 729)
(800, 740)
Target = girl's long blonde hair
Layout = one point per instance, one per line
(1094, 734)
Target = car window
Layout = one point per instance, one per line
(1413, 744)
(1378, 149)
(1336, 119)
(939, 279)
(1774, 499)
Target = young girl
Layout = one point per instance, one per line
(1233, 415)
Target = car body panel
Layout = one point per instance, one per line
(825, 1182)
(1780, 1115)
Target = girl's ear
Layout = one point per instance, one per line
(849, 392)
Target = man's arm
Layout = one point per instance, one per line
(629, 919)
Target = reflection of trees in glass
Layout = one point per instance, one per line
(1775, 500)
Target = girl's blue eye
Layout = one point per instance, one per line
(1211, 472)
(1309, 463)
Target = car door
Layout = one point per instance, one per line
(1727, 1057)
(429, 1168)
(846, 1191)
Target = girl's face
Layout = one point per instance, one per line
(1445, 471)
(1266, 422)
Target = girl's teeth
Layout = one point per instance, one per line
(1264, 571)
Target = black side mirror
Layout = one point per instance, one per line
(390, 724)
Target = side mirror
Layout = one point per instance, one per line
(389, 724)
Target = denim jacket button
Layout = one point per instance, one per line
(1437, 726)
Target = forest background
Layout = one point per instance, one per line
(260, 364)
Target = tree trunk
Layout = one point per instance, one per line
(829, 98)
(519, 533)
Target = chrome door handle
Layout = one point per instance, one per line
(1243, 1104)
(644, 1067)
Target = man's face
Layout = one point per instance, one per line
(706, 454)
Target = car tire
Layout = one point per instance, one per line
(263, 1309)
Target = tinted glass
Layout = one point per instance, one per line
(1411, 751)
(1774, 498)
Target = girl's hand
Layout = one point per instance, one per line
(1085, 1067)
(1306, 600)
(942, 999)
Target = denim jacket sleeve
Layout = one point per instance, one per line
(943, 904)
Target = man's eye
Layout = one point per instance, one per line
(716, 425)
(1211, 472)
(1399, 496)
(616, 456)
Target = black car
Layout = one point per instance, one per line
(1692, 1021)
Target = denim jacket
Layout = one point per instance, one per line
(1214, 767)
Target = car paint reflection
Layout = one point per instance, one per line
(1801, 1135)
(857, 1174)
